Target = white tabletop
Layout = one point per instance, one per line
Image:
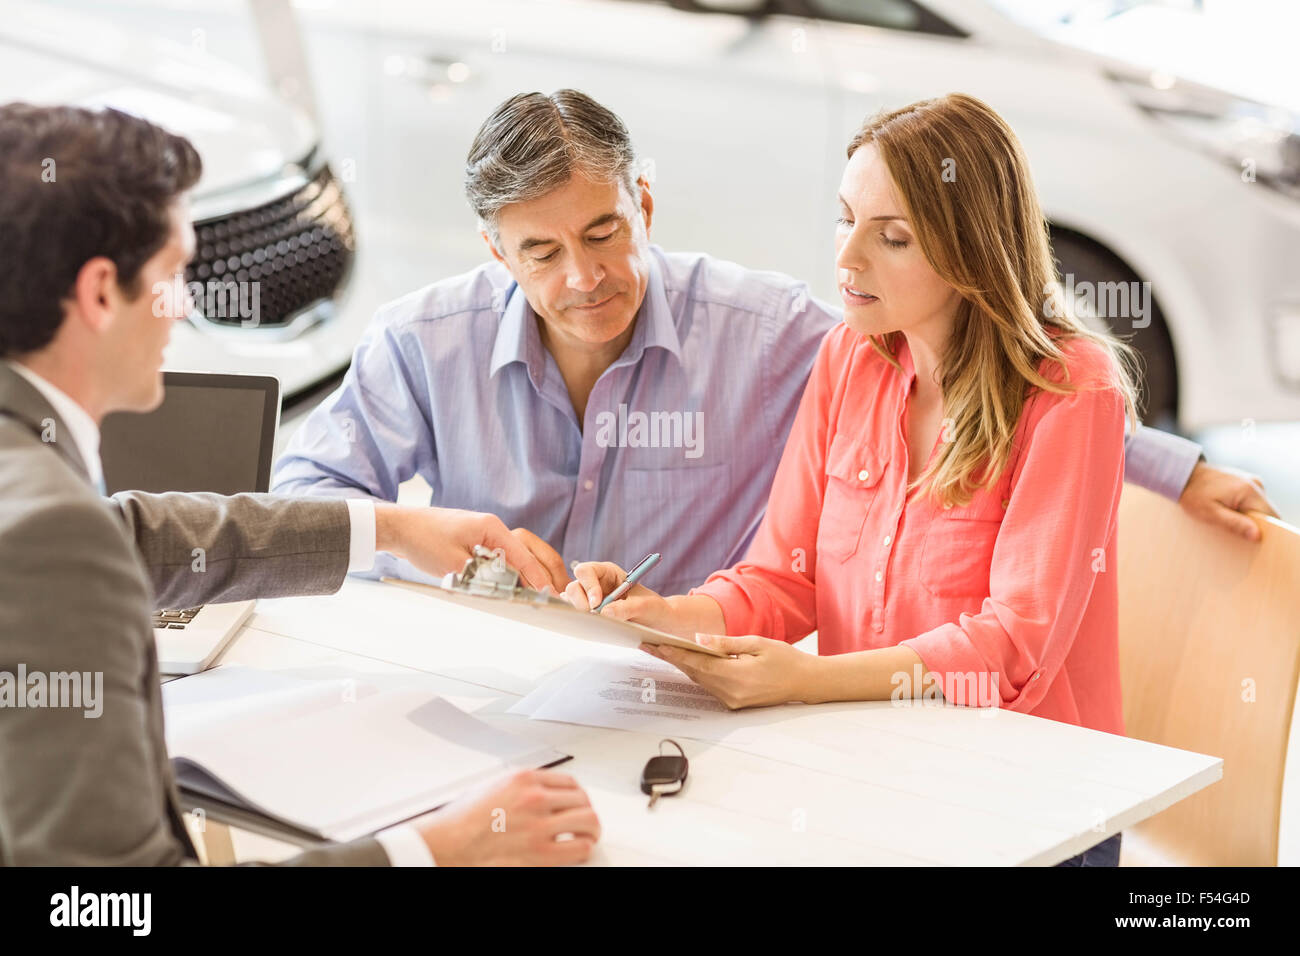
(864, 783)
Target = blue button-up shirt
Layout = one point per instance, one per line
(682, 434)
(680, 441)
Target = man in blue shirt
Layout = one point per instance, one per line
(591, 389)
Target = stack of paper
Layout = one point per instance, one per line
(333, 757)
(635, 692)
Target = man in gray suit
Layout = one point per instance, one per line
(93, 224)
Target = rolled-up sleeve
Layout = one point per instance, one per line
(368, 437)
(1159, 461)
(1056, 539)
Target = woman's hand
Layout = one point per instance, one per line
(683, 615)
(762, 672)
(595, 579)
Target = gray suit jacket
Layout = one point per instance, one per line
(79, 577)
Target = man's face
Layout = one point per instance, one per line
(142, 325)
(581, 255)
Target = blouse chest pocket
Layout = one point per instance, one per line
(958, 549)
(853, 474)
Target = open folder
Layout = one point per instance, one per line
(330, 759)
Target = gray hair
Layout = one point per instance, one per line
(533, 143)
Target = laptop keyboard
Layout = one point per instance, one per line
(174, 620)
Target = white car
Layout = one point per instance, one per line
(744, 107)
(1153, 183)
(268, 212)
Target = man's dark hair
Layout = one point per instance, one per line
(76, 184)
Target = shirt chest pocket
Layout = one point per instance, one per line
(853, 474)
(681, 513)
(958, 548)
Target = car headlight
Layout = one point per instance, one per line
(1258, 140)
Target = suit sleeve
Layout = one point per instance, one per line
(90, 791)
(200, 548)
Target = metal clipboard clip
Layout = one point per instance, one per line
(487, 575)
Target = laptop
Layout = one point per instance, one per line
(214, 433)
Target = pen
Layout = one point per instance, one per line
(635, 575)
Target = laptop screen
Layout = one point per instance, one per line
(211, 433)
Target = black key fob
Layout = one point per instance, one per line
(664, 772)
(664, 775)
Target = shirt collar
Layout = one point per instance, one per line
(518, 339)
(655, 326)
(84, 431)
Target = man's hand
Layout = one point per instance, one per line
(441, 540)
(1222, 496)
(514, 822)
(548, 556)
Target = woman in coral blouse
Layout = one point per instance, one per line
(944, 514)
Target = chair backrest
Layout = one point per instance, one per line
(1209, 657)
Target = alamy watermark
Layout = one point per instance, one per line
(637, 429)
(83, 690)
(954, 688)
(216, 299)
(130, 910)
(1130, 301)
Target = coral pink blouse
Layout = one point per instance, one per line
(1011, 601)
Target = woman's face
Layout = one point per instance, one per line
(885, 281)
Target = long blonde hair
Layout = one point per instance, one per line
(969, 197)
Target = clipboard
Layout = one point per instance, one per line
(488, 584)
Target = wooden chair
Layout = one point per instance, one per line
(212, 840)
(1209, 657)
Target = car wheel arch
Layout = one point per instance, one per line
(1157, 343)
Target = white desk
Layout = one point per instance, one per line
(866, 783)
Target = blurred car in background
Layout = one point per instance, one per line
(743, 109)
(1154, 180)
(268, 214)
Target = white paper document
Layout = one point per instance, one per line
(338, 758)
(642, 694)
(632, 693)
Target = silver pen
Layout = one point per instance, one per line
(635, 575)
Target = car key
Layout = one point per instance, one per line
(665, 774)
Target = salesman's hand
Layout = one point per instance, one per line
(441, 540)
(1222, 496)
(514, 822)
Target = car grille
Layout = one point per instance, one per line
(284, 256)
